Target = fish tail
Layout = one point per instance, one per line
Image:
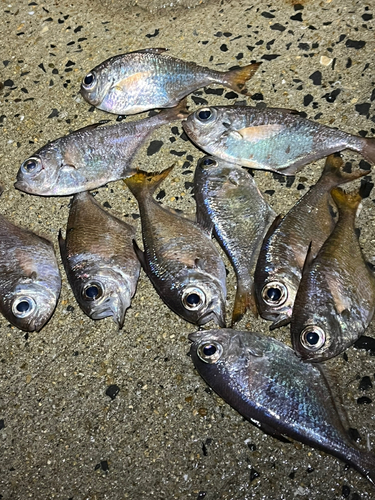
(146, 182)
(244, 300)
(364, 462)
(345, 200)
(333, 168)
(237, 78)
(368, 150)
(178, 112)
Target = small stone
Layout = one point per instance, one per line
(325, 61)
(364, 400)
(112, 391)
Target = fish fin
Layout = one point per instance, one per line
(366, 465)
(203, 220)
(237, 78)
(281, 321)
(287, 111)
(90, 127)
(151, 50)
(344, 200)
(62, 246)
(308, 260)
(334, 168)
(275, 224)
(146, 182)
(260, 132)
(131, 82)
(368, 150)
(141, 255)
(178, 112)
(270, 431)
(244, 300)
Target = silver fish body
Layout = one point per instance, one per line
(179, 257)
(148, 79)
(282, 256)
(266, 383)
(30, 280)
(228, 198)
(89, 157)
(99, 259)
(268, 139)
(335, 301)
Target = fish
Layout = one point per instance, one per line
(147, 79)
(179, 257)
(228, 198)
(273, 139)
(283, 253)
(30, 280)
(99, 259)
(335, 300)
(90, 157)
(271, 387)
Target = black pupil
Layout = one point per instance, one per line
(23, 306)
(193, 299)
(208, 161)
(88, 79)
(312, 338)
(30, 165)
(205, 114)
(92, 292)
(209, 350)
(274, 294)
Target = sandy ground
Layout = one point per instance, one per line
(165, 435)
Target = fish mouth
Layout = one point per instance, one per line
(281, 320)
(22, 186)
(114, 307)
(218, 316)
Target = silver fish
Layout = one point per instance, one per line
(266, 383)
(30, 280)
(179, 257)
(99, 259)
(148, 79)
(335, 300)
(282, 256)
(269, 139)
(228, 198)
(89, 157)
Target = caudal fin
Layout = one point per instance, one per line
(364, 462)
(244, 300)
(145, 183)
(346, 201)
(236, 78)
(178, 112)
(333, 169)
(368, 150)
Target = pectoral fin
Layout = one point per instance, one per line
(260, 132)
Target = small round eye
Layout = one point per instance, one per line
(313, 337)
(274, 293)
(23, 307)
(210, 352)
(89, 81)
(193, 298)
(32, 165)
(92, 291)
(205, 115)
(209, 161)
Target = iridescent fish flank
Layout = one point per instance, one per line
(269, 139)
(228, 198)
(336, 298)
(99, 259)
(179, 257)
(269, 385)
(148, 79)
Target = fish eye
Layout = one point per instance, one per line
(92, 291)
(89, 81)
(312, 337)
(32, 165)
(193, 298)
(209, 161)
(274, 293)
(23, 307)
(206, 115)
(210, 352)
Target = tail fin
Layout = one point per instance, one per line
(333, 169)
(146, 182)
(346, 201)
(244, 300)
(237, 78)
(368, 149)
(178, 112)
(364, 462)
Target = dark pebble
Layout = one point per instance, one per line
(224, 47)
(8, 83)
(309, 469)
(177, 153)
(201, 494)
(154, 147)
(107, 205)
(268, 15)
(41, 66)
(316, 77)
(155, 33)
(120, 118)
(366, 186)
(214, 91)
(112, 391)
(355, 44)
(204, 449)
(70, 308)
(231, 95)
(304, 46)
(364, 400)
(345, 492)
(308, 99)
(160, 195)
(367, 343)
(278, 27)
(300, 187)
(298, 6)
(54, 113)
(367, 17)
(331, 97)
(270, 192)
(354, 434)
(251, 446)
(270, 57)
(348, 63)
(297, 17)
(189, 185)
(363, 109)
(365, 383)
(2, 424)
(253, 475)
(200, 101)
(257, 97)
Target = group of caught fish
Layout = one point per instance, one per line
(298, 269)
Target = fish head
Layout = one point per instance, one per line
(30, 304)
(199, 299)
(96, 86)
(275, 299)
(206, 126)
(103, 293)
